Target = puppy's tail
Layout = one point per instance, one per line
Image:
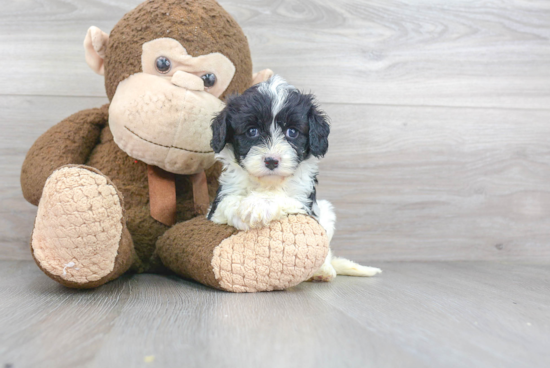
(348, 268)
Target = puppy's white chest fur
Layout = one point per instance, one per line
(259, 208)
(247, 202)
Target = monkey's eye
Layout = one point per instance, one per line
(252, 132)
(291, 133)
(163, 64)
(209, 80)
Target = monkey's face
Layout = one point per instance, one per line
(164, 92)
(162, 115)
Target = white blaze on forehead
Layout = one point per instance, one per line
(278, 144)
(277, 89)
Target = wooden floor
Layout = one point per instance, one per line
(439, 154)
(438, 314)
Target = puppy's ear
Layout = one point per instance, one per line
(220, 126)
(319, 130)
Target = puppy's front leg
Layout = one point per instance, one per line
(257, 211)
(226, 212)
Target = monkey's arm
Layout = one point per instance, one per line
(69, 142)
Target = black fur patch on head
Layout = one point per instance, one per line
(219, 131)
(293, 115)
(319, 129)
(254, 110)
(249, 110)
(300, 112)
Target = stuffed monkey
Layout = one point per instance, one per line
(125, 187)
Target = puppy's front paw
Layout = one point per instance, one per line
(239, 224)
(257, 212)
(326, 273)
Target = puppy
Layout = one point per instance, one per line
(270, 140)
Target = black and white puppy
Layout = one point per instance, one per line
(270, 140)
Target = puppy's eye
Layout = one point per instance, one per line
(252, 132)
(291, 133)
(209, 80)
(163, 64)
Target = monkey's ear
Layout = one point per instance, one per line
(220, 127)
(319, 130)
(261, 76)
(95, 45)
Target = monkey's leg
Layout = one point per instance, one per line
(80, 237)
(276, 257)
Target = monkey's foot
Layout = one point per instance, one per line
(272, 258)
(80, 237)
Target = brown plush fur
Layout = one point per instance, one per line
(69, 142)
(85, 137)
(187, 248)
(202, 27)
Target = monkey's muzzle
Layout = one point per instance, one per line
(163, 124)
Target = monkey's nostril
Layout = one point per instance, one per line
(271, 163)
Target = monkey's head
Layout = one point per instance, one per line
(168, 64)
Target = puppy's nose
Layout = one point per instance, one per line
(271, 163)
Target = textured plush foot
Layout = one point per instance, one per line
(80, 238)
(277, 257)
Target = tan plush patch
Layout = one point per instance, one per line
(185, 64)
(95, 44)
(277, 257)
(160, 124)
(78, 226)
